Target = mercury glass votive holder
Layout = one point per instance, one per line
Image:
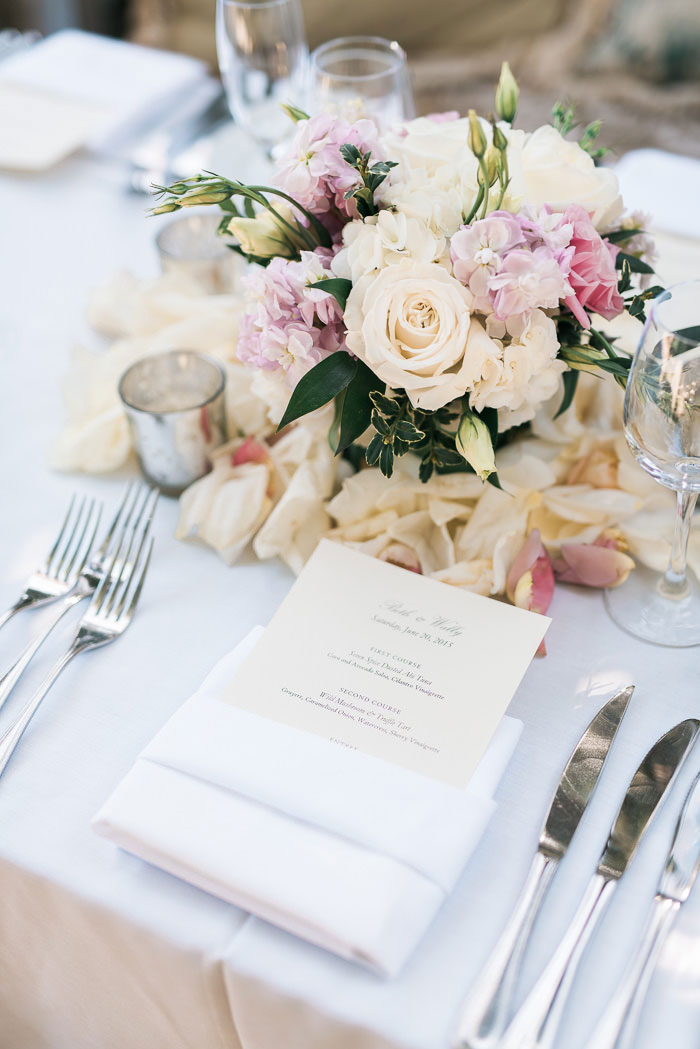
(190, 245)
(174, 402)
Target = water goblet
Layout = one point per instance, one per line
(662, 427)
(263, 55)
(361, 74)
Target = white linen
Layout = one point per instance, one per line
(349, 852)
(665, 186)
(98, 949)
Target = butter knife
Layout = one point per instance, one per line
(535, 1023)
(484, 1015)
(619, 1023)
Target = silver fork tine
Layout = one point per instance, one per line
(66, 548)
(78, 545)
(98, 596)
(56, 545)
(132, 573)
(91, 541)
(139, 586)
(102, 550)
(152, 497)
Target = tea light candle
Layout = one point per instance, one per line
(190, 244)
(174, 402)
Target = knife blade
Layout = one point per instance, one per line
(619, 1023)
(483, 1016)
(536, 1022)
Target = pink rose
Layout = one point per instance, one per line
(593, 277)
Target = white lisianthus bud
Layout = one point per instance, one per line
(477, 138)
(507, 94)
(475, 445)
(212, 197)
(264, 237)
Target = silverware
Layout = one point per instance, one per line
(619, 1023)
(64, 563)
(135, 502)
(485, 1012)
(108, 615)
(536, 1022)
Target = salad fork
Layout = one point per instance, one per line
(92, 571)
(107, 616)
(64, 563)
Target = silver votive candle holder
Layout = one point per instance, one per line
(189, 245)
(174, 402)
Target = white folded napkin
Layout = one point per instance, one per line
(349, 852)
(76, 88)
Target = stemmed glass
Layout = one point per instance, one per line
(263, 56)
(662, 427)
(356, 74)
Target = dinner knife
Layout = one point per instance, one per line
(619, 1023)
(536, 1022)
(485, 1012)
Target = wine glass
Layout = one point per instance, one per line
(662, 427)
(361, 74)
(263, 56)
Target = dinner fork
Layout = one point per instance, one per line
(64, 563)
(135, 502)
(107, 616)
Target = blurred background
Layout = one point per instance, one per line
(634, 63)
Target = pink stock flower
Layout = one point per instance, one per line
(530, 582)
(290, 325)
(314, 172)
(477, 252)
(593, 277)
(527, 280)
(599, 564)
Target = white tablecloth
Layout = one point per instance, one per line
(100, 950)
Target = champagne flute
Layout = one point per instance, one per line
(361, 74)
(662, 427)
(263, 55)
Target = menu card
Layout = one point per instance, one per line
(390, 663)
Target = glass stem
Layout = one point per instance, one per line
(674, 583)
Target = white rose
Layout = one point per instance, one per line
(412, 325)
(559, 173)
(383, 240)
(525, 373)
(436, 177)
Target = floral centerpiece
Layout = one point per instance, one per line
(438, 281)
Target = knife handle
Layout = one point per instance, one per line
(535, 1023)
(486, 1009)
(619, 1022)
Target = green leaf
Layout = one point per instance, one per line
(425, 470)
(570, 382)
(385, 405)
(319, 386)
(493, 479)
(294, 113)
(350, 154)
(338, 287)
(619, 236)
(386, 460)
(355, 409)
(409, 433)
(374, 450)
(380, 423)
(635, 264)
(248, 207)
